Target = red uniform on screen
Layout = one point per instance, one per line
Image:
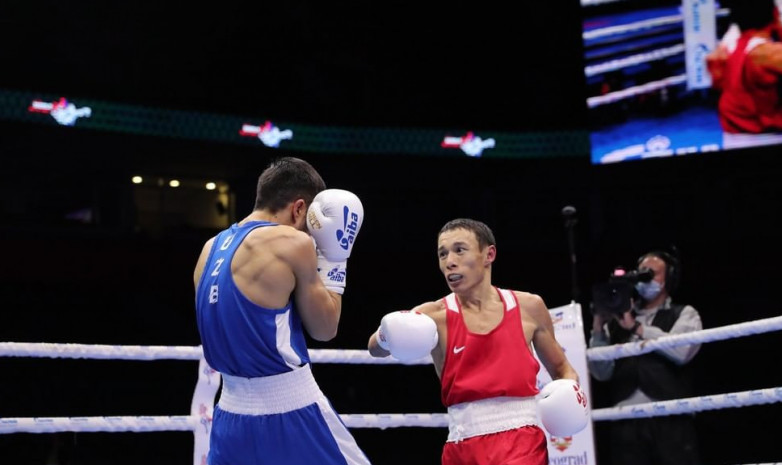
(750, 100)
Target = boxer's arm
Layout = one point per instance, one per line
(562, 404)
(319, 308)
(715, 64)
(546, 346)
(199, 269)
(768, 56)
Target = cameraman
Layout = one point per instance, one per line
(654, 376)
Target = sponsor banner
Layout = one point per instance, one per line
(578, 449)
(202, 407)
(700, 38)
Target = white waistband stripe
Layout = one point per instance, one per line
(488, 416)
(271, 394)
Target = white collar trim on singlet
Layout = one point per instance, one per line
(451, 303)
(507, 298)
(754, 42)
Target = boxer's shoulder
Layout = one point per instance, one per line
(434, 309)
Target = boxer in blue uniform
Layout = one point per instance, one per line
(259, 285)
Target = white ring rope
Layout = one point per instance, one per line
(119, 424)
(690, 404)
(147, 424)
(633, 60)
(383, 420)
(639, 25)
(585, 3)
(395, 420)
(695, 337)
(97, 351)
(343, 356)
(436, 420)
(631, 27)
(636, 90)
(359, 357)
(147, 353)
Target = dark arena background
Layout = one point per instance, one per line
(382, 99)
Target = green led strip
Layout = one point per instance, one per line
(135, 119)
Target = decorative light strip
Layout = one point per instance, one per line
(269, 134)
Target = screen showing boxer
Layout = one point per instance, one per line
(682, 77)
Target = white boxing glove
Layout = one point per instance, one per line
(408, 335)
(333, 220)
(563, 407)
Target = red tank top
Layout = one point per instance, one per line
(482, 366)
(750, 97)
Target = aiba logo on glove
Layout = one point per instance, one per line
(350, 222)
(336, 275)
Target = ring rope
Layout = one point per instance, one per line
(633, 60)
(586, 3)
(112, 424)
(690, 404)
(695, 337)
(383, 420)
(396, 420)
(193, 422)
(147, 424)
(360, 357)
(639, 25)
(148, 353)
(636, 90)
(98, 351)
(632, 27)
(344, 356)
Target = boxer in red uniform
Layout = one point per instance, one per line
(747, 69)
(481, 339)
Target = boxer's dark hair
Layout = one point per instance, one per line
(482, 232)
(752, 14)
(285, 180)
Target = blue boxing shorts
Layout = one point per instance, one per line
(280, 419)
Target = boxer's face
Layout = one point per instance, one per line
(461, 259)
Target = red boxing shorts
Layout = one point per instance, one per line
(520, 446)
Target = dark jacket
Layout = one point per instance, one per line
(657, 376)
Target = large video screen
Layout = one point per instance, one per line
(672, 78)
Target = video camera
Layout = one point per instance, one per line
(615, 296)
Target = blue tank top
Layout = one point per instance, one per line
(238, 337)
